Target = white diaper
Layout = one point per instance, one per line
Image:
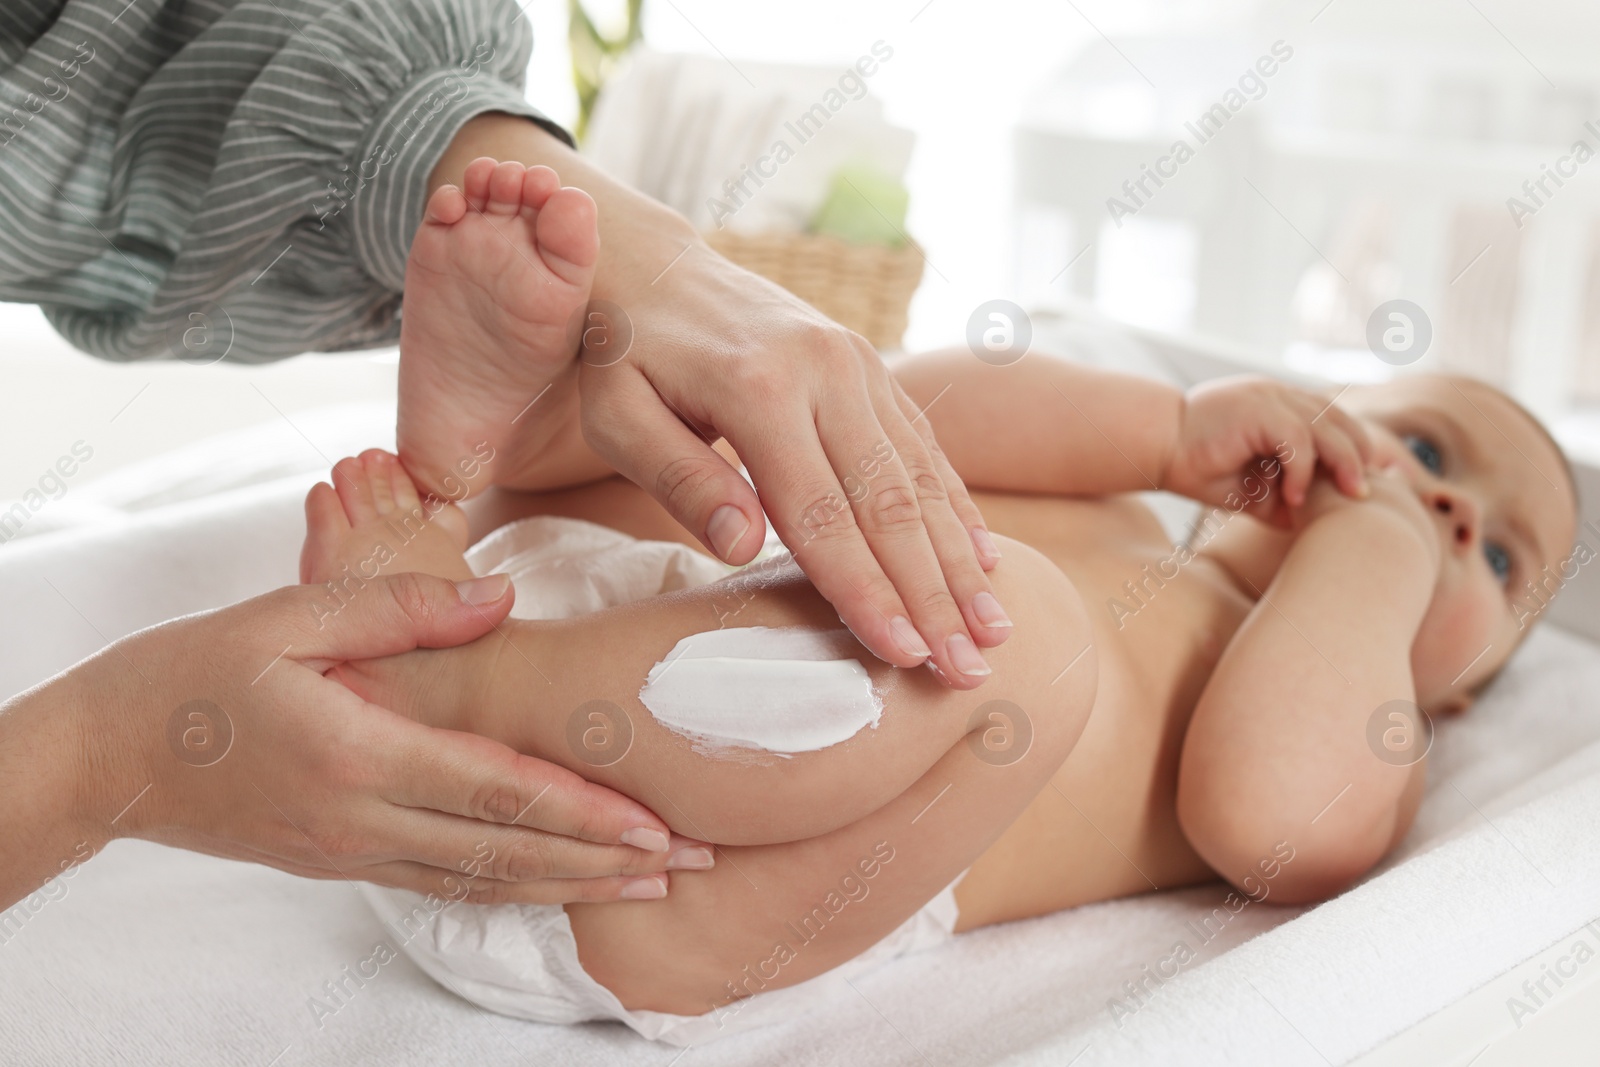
(521, 959)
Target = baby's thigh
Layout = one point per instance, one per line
(771, 915)
(755, 798)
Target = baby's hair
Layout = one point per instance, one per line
(1544, 431)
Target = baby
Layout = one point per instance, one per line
(1252, 705)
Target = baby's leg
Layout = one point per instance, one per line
(495, 294)
(769, 916)
(549, 672)
(568, 691)
(882, 820)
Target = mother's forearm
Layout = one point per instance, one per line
(44, 833)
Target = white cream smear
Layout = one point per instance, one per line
(785, 689)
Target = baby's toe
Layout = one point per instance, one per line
(355, 490)
(475, 181)
(446, 206)
(505, 189)
(376, 464)
(568, 236)
(539, 184)
(326, 527)
(402, 487)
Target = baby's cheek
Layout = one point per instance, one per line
(1462, 622)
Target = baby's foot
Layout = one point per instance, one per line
(372, 521)
(499, 273)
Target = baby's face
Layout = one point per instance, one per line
(1503, 507)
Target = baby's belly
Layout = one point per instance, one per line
(1106, 826)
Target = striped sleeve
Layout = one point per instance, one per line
(237, 179)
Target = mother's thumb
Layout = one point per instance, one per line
(390, 614)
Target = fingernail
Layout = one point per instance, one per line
(485, 590)
(989, 611)
(645, 838)
(693, 859)
(645, 889)
(985, 545)
(727, 526)
(965, 657)
(906, 636)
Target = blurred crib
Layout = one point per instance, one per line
(1379, 161)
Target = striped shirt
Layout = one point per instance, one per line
(233, 178)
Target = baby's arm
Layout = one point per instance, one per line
(1277, 751)
(1045, 425)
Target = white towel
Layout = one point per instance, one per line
(157, 956)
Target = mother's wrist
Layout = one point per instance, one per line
(641, 241)
(91, 733)
(52, 824)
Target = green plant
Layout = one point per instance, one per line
(595, 55)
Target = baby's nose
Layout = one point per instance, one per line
(1460, 515)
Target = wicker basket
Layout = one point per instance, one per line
(867, 288)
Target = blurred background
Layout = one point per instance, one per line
(1335, 156)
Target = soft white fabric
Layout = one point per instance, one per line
(522, 959)
(564, 567)
(158, 956)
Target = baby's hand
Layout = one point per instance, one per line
(1262, 440)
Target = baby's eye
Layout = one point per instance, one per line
(1425, 451)
(1499, 560)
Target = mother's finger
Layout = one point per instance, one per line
(520, 854)
(387, 615)
(458, 888)
(959, 568)
(960, 500)
(464, 774)
(885, 476)
(811, 511)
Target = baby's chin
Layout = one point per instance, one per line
(1445, 685)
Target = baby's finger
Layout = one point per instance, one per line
(1340, 455)
(1300, 465)
(1350, 472)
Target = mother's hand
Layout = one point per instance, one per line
(841, 459)
(218, 733)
